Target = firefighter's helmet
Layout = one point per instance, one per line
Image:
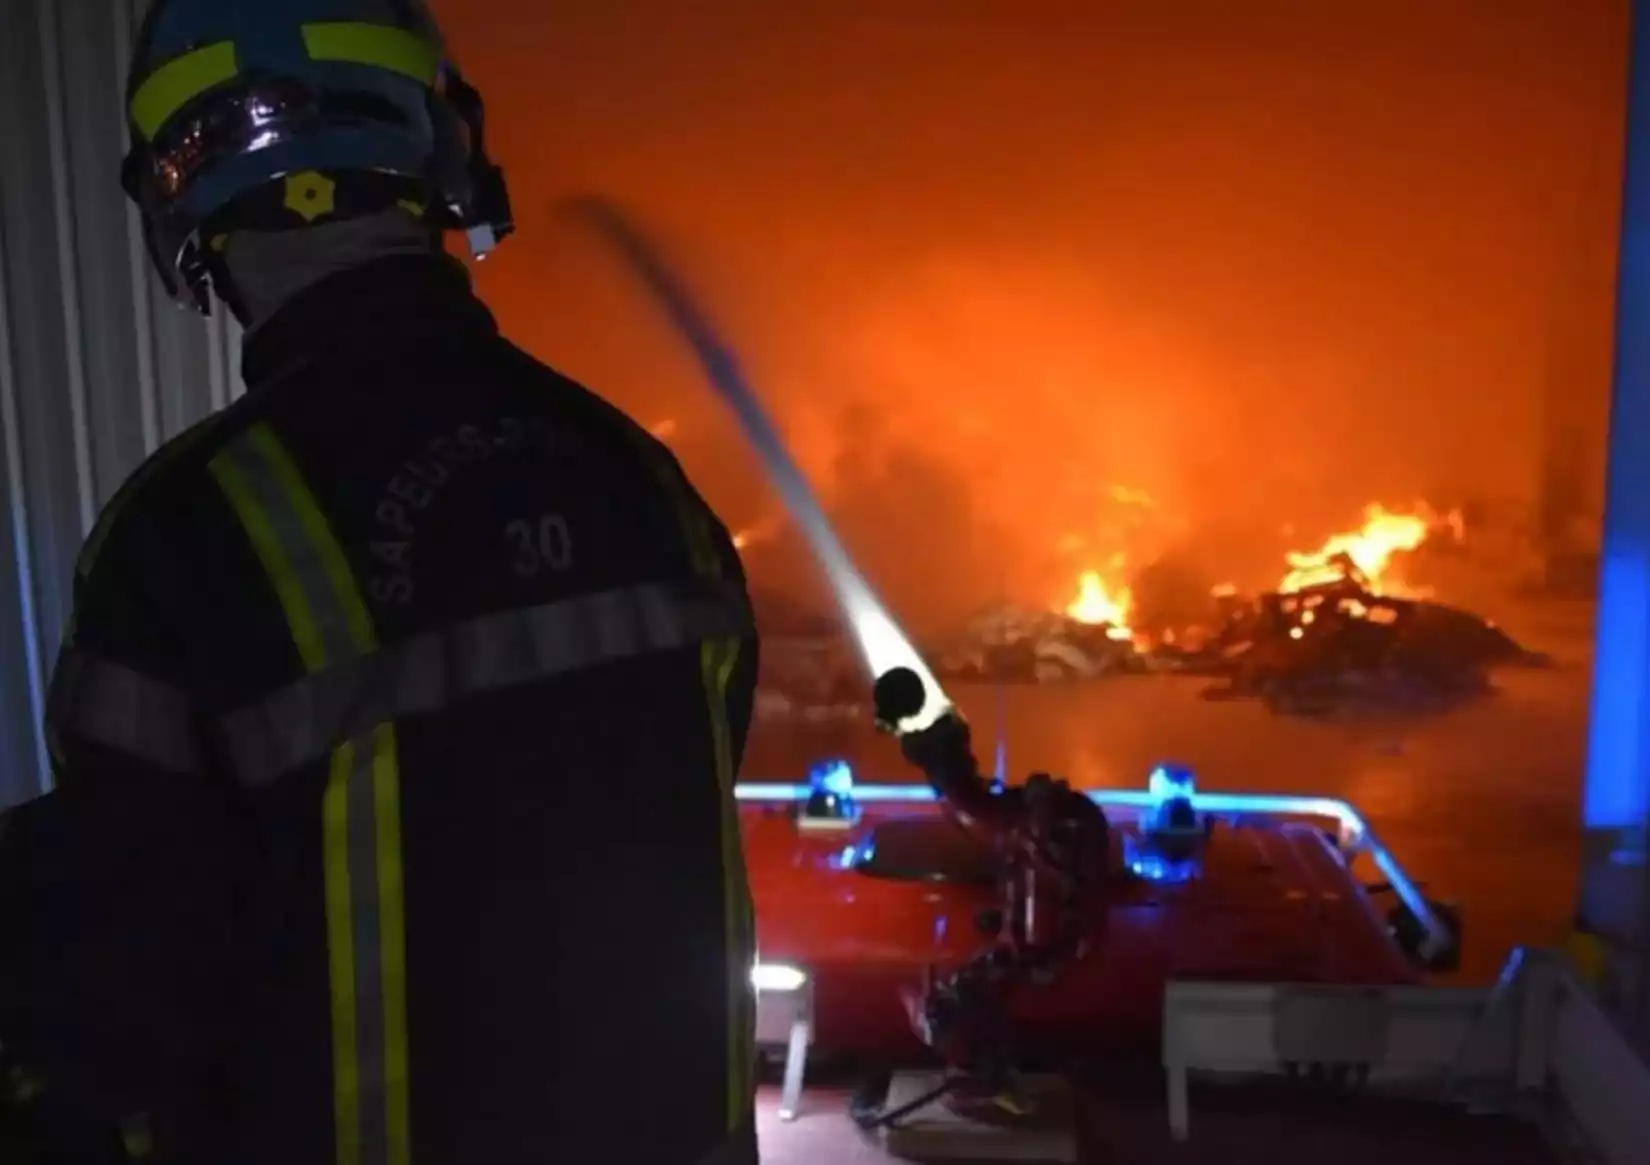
(305, 108)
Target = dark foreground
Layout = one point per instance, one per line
(1229, 1127)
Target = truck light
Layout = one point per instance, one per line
(777, 977)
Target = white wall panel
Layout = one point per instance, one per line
(97, 365)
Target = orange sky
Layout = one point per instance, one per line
(1266, 261)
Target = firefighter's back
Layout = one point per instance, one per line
(479, 659)
(466, 652)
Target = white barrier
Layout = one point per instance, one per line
(784, 1018)
(1537, 1034)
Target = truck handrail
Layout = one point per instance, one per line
(1356, 836)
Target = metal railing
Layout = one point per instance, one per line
(1356, 836)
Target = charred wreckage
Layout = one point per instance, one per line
(1336, 644)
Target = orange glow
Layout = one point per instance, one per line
(1232, 303)
(753, 534)
(1370, 549)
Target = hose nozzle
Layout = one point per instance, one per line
(897, 696)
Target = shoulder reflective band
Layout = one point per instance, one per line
(381, 46)
(124, 710)
(718, 657)
(178, 82)
(360, 808)
(302, 722)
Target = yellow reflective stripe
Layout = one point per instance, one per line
(178, 82)
(346, 1068)
(319, 535)
(360, 806)
(260, 531)
(717, 659)
(392, 943)
(380, 45)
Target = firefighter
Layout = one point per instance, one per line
(396, 729)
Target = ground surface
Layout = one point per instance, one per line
(1231, 1129)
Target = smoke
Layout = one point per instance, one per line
(914, 525)
(884, 645)
(1261, 263)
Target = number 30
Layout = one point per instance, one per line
(542, 545)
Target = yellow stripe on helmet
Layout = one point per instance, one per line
(178, 82)
(379, 45)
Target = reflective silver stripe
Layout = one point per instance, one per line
(122, 709)
(304, 721)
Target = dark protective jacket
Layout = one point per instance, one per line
(395, 737)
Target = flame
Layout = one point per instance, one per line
(1097, 604)
(1125, 495)
(1370, 549)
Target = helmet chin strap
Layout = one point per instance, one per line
(198, 278)
(486, 217)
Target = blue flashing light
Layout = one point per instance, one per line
(1173, 793)
(1152, 865)
(830, 802)
(1171, 783)
(833, 778)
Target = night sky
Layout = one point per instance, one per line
(1264, 260)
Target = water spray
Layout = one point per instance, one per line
(885, 648)
(1055, 841)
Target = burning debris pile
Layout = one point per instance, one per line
(1009, 644)
(1343, 633)
(1342, 630)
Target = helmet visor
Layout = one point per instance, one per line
(243, 120)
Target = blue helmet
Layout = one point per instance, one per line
(225, 97)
